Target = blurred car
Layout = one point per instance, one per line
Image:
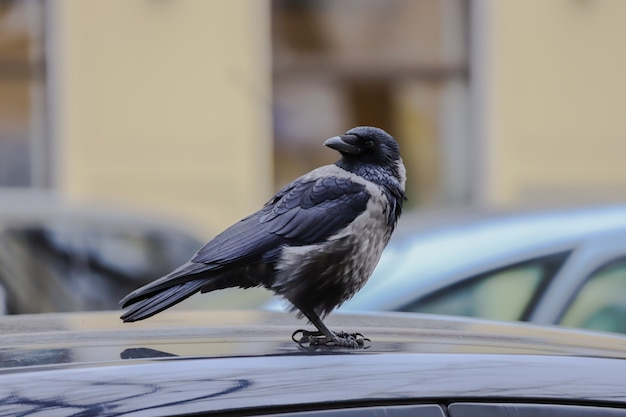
(58, 257)
(245, 364)
(564, 267)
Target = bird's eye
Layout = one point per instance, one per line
(369, 143)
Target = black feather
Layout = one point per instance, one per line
(162, 300)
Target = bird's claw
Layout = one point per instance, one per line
(317, 339)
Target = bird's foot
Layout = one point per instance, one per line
(317, 339)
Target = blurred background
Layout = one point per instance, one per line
(194, 112)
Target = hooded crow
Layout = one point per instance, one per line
(315, 243)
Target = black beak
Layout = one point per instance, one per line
(344, 144)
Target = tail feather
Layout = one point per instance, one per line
(159, 301)
(176, 278)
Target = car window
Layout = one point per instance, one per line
(59, 267)
(139, 254)
(503, 294)
(600, 304)
(423, 410)
(531, 410)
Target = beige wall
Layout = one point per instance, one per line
(163, 105)
(554, 78)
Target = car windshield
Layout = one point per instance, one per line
(84, 266)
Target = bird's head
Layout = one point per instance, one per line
(368, 146)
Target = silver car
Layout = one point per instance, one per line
(563, 267)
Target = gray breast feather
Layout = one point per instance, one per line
(324, 275)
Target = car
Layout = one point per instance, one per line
(564, 267)
(56, 256)
(244, 363)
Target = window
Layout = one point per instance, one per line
(504, 294)
(531, 410)
(426, 410)
(81, 267)
(400, 65)
(601, 303)
(24, 145)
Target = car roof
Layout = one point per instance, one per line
(472, 243)
(185, 362)
(28, 208)
(261, 333)
(436, 219)
(522, 227)
(513, 231)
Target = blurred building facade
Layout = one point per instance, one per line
(157, 105)
(551, 88)
(401, 65)
(201, 109)
(495, 102)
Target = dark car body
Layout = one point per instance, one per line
(245, 363)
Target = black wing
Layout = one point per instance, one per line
(304, 212)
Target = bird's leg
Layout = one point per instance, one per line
(325, 336)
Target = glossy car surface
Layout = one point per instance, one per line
(59, 257)
(244, 363)
(558, 267)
